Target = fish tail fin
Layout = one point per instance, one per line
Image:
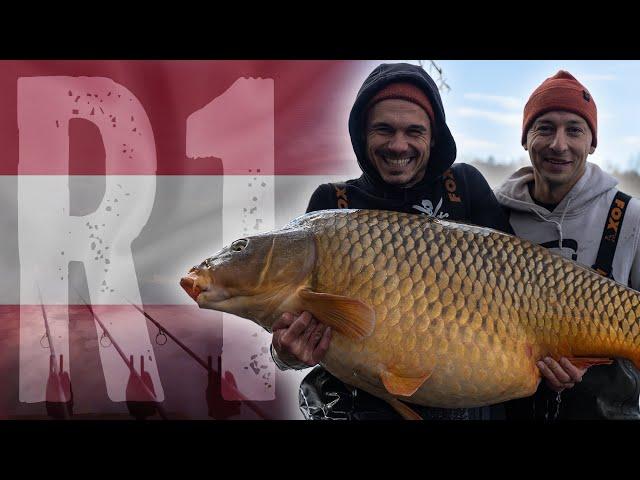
(586, 362)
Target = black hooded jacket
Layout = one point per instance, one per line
(455, 192)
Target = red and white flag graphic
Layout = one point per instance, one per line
(118, 176)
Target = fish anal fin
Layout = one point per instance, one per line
(586, 362)
(348, 316)
(404, 410)
(401, 385)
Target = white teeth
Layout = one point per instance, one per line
(400, 162)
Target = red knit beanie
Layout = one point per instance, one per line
(561, 92)
(404, 91)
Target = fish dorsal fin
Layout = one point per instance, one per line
(400, 385)
(404, 410)
(586, 362)
(348, 316)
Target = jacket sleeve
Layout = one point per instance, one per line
(484, 210)
(283, 365)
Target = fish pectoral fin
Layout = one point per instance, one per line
(348, 316)
(586, 362)
(404, 410)
(399, 385)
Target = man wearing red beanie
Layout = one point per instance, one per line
(567, 204)
(406, 153)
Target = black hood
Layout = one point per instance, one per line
(443, 153)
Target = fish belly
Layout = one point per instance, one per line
(463, 374)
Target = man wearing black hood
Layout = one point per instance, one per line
(406, 153)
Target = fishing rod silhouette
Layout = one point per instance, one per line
(58, 399)
(129, 362)
(207, 366)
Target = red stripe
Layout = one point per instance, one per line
(311, 104)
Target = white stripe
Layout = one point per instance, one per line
(184, 226)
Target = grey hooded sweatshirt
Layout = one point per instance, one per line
(574, 228)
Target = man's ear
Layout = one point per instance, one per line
(592, 149)
(433, 142)
(524, 145)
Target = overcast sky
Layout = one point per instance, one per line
(486, 98)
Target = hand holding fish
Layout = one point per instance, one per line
(300, 338)
(560, 375)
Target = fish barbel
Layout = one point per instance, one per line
(431, 312)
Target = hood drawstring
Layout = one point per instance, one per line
(558, 224)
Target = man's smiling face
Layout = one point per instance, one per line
(399, 141)
(559, 143)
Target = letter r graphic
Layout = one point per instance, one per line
(49, 237)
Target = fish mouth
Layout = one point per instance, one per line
(207, 295)
(188, 283)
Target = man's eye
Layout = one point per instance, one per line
(381, 128)
(574, 130)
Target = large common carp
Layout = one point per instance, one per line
(432, 312)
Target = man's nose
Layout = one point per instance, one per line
(559, 143)
(398, 143)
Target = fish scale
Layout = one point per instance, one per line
(462, 313)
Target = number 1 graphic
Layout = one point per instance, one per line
(238, 128)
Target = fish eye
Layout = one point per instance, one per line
(239, 245)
